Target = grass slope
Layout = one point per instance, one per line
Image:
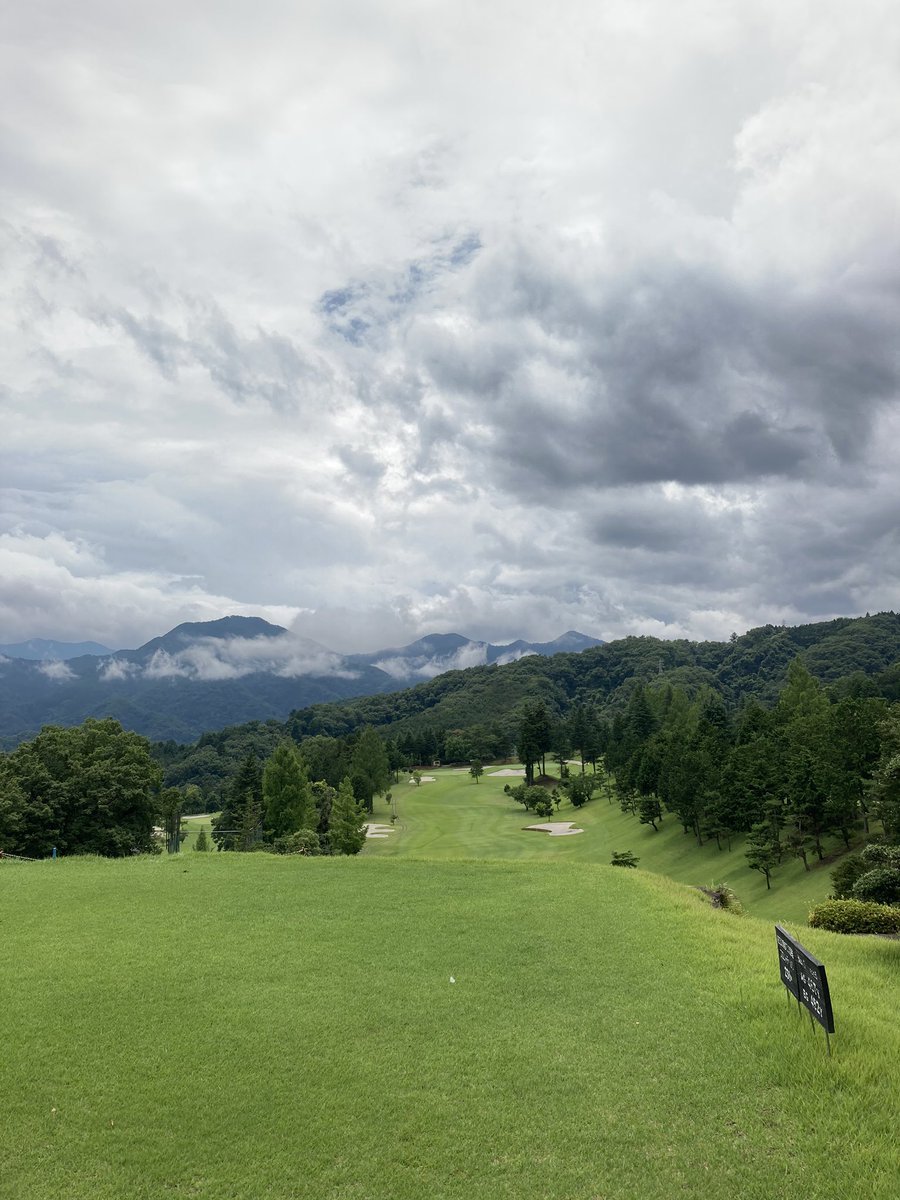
(456, 818)
(225, 1026)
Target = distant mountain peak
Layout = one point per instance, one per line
(224, 627)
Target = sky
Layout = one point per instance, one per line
(379, 319)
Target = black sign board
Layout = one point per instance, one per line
(787, 961)
(804, 977)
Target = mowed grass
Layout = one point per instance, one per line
(251, 1026)
(192, 826)
(456, 818)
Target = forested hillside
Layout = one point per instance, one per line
(477, 713)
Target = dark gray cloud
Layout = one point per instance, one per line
(685, 376)
(378, 320)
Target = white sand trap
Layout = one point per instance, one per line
(509, 771)
(374, 830)
(557, 828)
(424, 779)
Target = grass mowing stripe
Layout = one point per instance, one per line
(227, 1026)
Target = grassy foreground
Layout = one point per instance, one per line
(228, 1026)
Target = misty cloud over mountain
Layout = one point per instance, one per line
(206, 675)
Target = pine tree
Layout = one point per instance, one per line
(287, 796)
(237, 825)
(348, 831)
(370, 767)
(762, 851)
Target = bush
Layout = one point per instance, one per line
(881, 884)
(845, 874)
(304, 841)
(623, 858)
(721, 896)
(543, 805)
(855, 916)
(880, 854)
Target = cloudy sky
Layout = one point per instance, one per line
(378, 318)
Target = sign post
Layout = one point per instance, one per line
(804, 977)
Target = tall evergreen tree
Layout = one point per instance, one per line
(534, 737)
(348, 831)
(370, 769)
(287, 798)
(171, 803)
(239, 823)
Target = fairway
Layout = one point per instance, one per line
(246, 1025)
(455, 818)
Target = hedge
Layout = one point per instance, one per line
(855, 916)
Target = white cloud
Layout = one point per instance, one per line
(389, 318)
(116, 669)
(233, 658)
(56, 670)
(424, 666)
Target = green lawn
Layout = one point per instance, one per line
(192, 827)
(232, 1026)
(227, 1026)
(456, 818)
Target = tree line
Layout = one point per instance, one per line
(96, 789)
(288, 806)
(813, 766)
(477, 713)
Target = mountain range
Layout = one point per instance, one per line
(207, 675)
(42, 650)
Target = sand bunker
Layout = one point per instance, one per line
(373, 830)
(557, 828)
(424, 779)
(509, 771)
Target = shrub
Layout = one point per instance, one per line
(542, 804)
(845, 874)
(721, 896)
(879, 854)
(623, 858)
(881, 884)
(304, 841)
(855, 916)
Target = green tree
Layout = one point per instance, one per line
(476, 770)
(370, 769)
(91, 789)
(579, 789)
(326, 758)
(348, 830)
(323, 796)
(239, 824)
(170, 805)
(202, 843)
(649, 812)
(534, 737)
(539, 799)
(763, 853)
(623, 858)
(287, 797)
